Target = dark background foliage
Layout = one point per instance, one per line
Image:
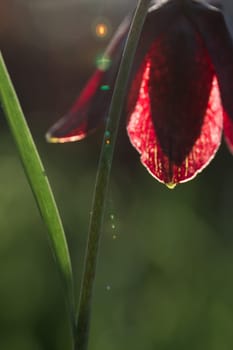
(165, 273)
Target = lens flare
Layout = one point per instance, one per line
(103, 62)
(101, 30)
(104, 87)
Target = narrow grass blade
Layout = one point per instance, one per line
(103, 175)
(38, 181)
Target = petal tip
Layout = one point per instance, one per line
(53, 139)
(48, 138)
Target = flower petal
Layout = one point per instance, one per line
(228, 131)
(216, 3)
(212, 26)
(90, 108)
(160, 14)
(176, 124)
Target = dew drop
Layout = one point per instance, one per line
(107, 137)
(108, 287)
(171, 185)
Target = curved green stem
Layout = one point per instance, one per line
(103, 174)
(39, 183)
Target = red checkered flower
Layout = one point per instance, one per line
(179, 97)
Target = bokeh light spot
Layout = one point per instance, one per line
(107, 137)
(104, 87)
(101, 30)
(103, 62)
(107, 134)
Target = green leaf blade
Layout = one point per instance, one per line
(39, 183)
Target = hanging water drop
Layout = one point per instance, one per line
(107, 137)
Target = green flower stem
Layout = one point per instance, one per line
(39, 183)
(103, 174)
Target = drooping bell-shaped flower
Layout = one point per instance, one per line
(180, 92)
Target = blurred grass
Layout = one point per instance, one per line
(164, 281)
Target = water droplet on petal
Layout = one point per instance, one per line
(171, 185)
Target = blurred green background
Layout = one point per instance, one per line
(165, 272)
